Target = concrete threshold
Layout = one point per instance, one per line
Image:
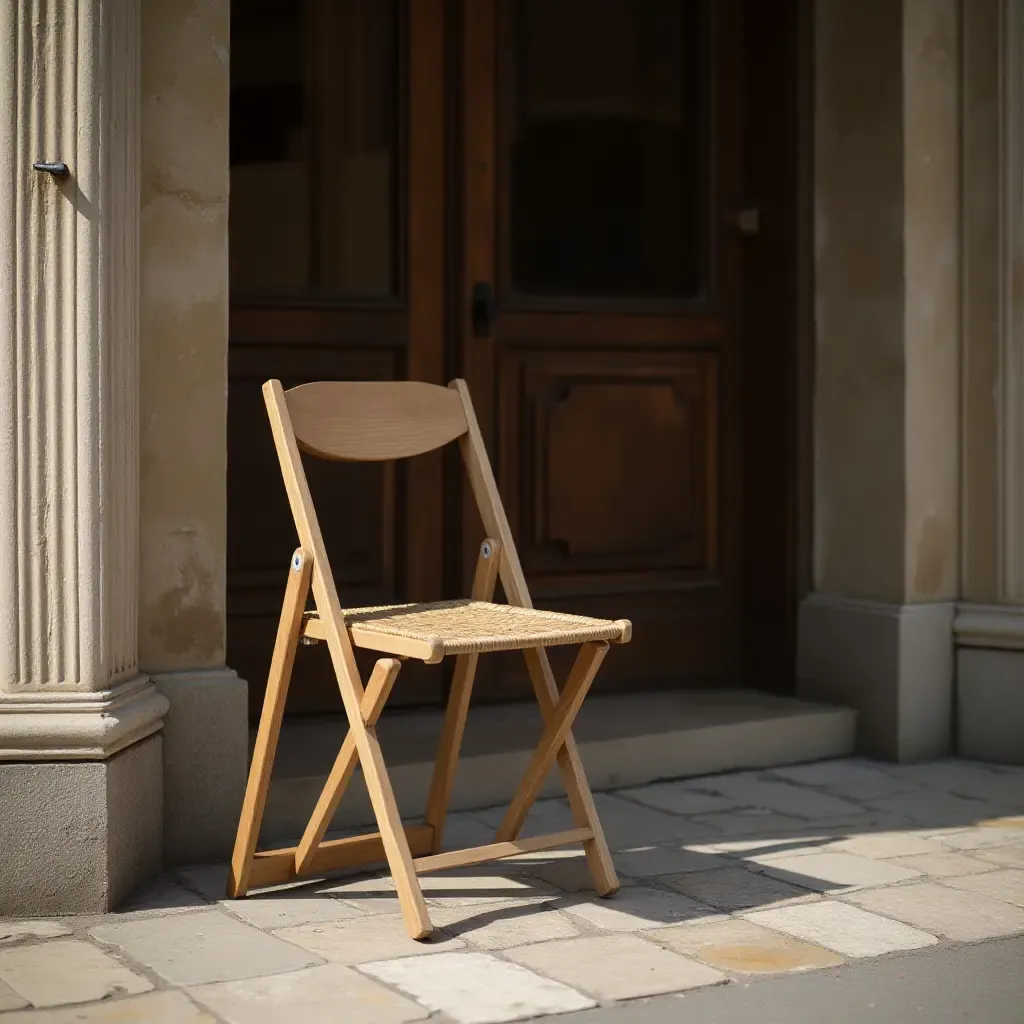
(625, 739)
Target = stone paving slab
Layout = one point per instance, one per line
(612, 967)
(199, 948)
(12, 932)
(155, 1008)
(370, 938)
(725, 878)
(9, 999)
(1008, 856)
(1006, 885)
(736, 888)
(315, 995)
(634, 908)
(505, 925)
(745, 948)
(833, 872)
(844, 929)
(66, 971)
(477, 988)
(963, 916)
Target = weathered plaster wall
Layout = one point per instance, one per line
(185, 82)
(886, 464)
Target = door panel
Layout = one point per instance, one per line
(337, 250)
(599, 163)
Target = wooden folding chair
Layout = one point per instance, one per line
(393, 420)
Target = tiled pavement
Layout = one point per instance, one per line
(726, 878)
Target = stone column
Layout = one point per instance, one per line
(80, 750)
(990, 618)
(184, 316)
(877, 632)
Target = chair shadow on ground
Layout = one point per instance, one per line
(683, 871)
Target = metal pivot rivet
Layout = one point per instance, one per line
(308, 641)
(297, 561)
(485, 549)
(57, 168)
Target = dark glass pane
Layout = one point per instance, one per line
(607, 149)
(314, 124)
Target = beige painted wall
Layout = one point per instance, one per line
(887, 358)
(184, 308)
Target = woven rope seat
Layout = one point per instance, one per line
(437, 629)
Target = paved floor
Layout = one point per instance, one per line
(744, 895)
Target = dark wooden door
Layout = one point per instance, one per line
(337, 272)
(600, 174)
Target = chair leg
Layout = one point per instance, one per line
(282, 662)
(558, 725)
(439, 796)
(392, 833)
(581, 800)
(385, 672)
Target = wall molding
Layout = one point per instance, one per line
(79, 726)
(999, 626)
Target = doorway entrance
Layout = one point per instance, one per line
(557, 200)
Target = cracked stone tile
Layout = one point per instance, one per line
(847, 930)
(887, 845)
(845, 776)
(993, 832)
(634, 908)
(1011, 856)
(833, 872)
(932, 809)
(465, 830)
(627, 824)
(1006, 885)
(207, 946)
(616, 966)
(369, 938)
(963, 916)
(967, 779)
(799, 843)
(9, 999)
(545, 816)
(473, 886)
(368, 895)
(16, 931)
(944, 865)
(652, 861)
(279, 910)
(477, 988)
(676, 798)
(750, 823)
(163, 896)
(66, 971)
(735, 888)
(314, 995)
(155, 1008)
(505, 925)
(751, 790)
(747, 948)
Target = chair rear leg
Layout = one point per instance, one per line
(581, 800)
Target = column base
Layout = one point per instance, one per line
(77, 837)
(206, 758)
(892, 663)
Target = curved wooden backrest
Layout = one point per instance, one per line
(369, 421)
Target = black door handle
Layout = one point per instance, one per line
(484, 309)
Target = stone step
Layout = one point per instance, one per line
(625, 739)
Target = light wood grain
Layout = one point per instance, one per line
(429, 650)
(485, 490)
(273, 867)
(558, 725)
(499, 851)
(378, 784)
(484, 580)
(370, 421)
(379, 686)
(255, 800)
